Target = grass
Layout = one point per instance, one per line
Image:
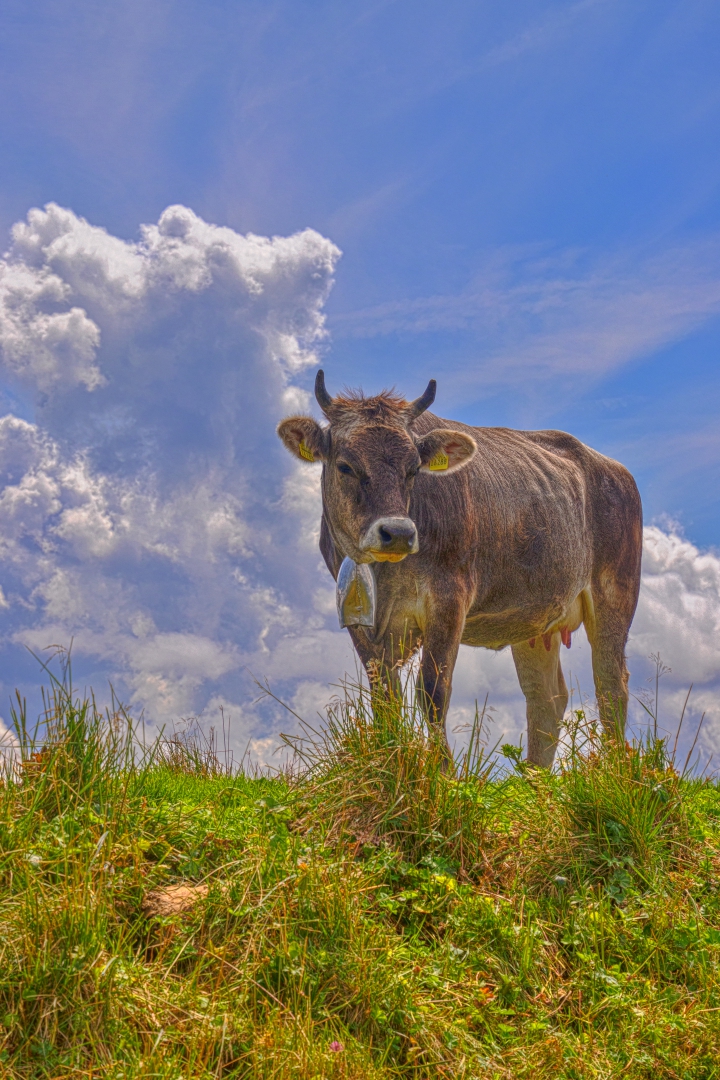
(365, 917)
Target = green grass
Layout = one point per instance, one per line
(369, 916)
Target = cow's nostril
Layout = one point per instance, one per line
(395, 537)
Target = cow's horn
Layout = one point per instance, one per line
(323, 398)
(419, 405)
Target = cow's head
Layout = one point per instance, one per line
(371, 456)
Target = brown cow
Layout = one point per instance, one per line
(479, 536)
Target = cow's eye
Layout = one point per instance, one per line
(344, 469)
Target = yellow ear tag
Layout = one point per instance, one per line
(306, 452)
(439, 463)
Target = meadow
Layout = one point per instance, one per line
(361, 915)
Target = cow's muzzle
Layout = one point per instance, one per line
(390, 539)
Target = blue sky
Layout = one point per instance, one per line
(431, 142)
(526, 201)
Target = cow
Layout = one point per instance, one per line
(482, 536)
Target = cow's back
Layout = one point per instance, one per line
(530, 521)
(613, 504)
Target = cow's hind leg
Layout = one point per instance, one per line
(607, 624)
(543, 684)
(609, 605)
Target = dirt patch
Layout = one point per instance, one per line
(173, 899)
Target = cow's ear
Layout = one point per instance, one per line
(304, 438)
(444, 451)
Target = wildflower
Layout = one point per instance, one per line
(34, 860)
(336, 1046)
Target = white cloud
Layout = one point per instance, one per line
(144, 512)
(39, 345)
(678, 617)
(150, 513)
(301, 497)
(679, 612)
(242, 733)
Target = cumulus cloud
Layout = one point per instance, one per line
(148, 512)
(678, 618)
(42, 346)
(679, 613)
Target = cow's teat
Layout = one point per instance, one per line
(390, 539)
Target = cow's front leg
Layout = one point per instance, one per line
(377, 659)
(441, 642)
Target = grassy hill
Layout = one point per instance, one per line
(369, 917)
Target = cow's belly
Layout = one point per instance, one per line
(497, 629)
